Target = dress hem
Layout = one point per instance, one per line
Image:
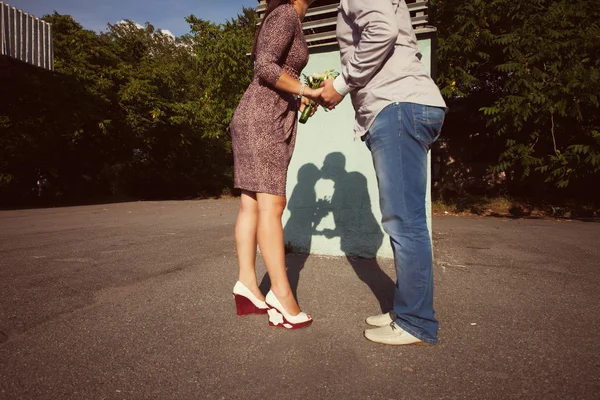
(259, 190)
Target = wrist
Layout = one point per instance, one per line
(302, 91)
(341, 86)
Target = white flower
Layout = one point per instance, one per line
(315, 80)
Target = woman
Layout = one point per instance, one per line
(263, 132)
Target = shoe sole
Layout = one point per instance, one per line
(250, 314)
(285, 323)
(293, 328)
(421, 343)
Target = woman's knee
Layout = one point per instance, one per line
(248, 203)
(271, 205)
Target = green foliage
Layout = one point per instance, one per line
(221, 57)
(535, 65)
(136, 112)
(128, 111)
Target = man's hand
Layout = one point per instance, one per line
(328, 233)
(330, 97)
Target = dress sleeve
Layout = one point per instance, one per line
(274, 41)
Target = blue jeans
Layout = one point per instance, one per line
(399, 141)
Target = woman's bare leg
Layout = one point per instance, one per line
(245, 239)
(270, 241)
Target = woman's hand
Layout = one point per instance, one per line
(313, 94)
(305, 102)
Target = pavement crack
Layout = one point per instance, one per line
(448, 265)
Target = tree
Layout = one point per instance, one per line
(128, 111)
(222, 58)
(535, 66)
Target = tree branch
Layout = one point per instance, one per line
(553, 137)
(533, 145)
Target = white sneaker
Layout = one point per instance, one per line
(380, 320)
(392, 334)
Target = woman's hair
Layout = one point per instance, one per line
(271, 6)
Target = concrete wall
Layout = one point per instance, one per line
(333, 204)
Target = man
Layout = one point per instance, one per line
(399, 114)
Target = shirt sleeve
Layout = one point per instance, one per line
(376, 23)
(274, 41)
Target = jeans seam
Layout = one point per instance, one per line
(422, 283)
(406, 224)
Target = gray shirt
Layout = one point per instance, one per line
(381, 63)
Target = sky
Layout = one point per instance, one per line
(168, 15)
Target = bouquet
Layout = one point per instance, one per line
(314, 81)
(322, 209)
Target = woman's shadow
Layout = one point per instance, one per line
(359, 232)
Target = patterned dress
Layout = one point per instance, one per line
(263, 128)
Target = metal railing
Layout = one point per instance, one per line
(25, 38)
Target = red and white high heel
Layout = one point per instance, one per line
(280, 318)
(246, 302)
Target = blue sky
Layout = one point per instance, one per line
(164, 14)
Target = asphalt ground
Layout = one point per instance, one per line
(133, 301)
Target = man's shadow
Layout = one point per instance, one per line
(359, 232)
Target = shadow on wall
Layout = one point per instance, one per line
(359, 232)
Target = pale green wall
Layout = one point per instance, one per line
(354, 213)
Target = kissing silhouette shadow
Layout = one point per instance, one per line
(301, 225)
(359, 232)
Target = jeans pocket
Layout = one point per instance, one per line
(383, 129)
(429, 121)
(429, 115)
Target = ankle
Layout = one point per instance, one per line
(282, 293)
(249, 281)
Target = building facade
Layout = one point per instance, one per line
(333, 203)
